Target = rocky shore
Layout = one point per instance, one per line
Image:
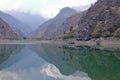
(110, 43)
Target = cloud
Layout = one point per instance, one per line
(6, 5)
(27, 5)
(40, 73)
(47, 8)
(77, 2)
(50, 11)
(31, 74)
(53, 71)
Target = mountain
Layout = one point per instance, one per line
(65, 13)
(47, 29)
(70, 24)
(101, 20)
(6, 32)
(32, 20)
(15, 24)
(38, 33)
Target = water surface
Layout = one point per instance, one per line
(50, 62)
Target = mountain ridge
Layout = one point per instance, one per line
(101, 20)
(54, 23)
(6, 32)
(13, 22)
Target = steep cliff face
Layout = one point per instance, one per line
(48, 29)
(6, 32)
(101, 20)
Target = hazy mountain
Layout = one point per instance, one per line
(16, 25)
(47, 29)
(65, 13)
(32, 20)
(6, 32)
(38, 33)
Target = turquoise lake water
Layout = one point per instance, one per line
(50, 62)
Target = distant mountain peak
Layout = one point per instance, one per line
(67, 9)
(65, 13)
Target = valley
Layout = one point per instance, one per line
(100, 21)
(59, 39)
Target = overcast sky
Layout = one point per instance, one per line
(47, 8)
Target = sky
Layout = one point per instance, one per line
(46, 8)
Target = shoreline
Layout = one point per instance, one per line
(23, 41)
(109, 43)
(105, 43)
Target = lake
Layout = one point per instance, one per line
(51, 62)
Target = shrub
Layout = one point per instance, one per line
(117, 33)
(68, 36)
(96, 35)
(107, 34)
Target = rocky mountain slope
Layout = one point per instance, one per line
(6, 32)
(101, 20)
(68, 26)
(48, 29)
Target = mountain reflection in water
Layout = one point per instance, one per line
(50, 62)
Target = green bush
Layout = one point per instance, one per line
(68, 36)
(117, 33)
(96, 35)
(107, 34)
